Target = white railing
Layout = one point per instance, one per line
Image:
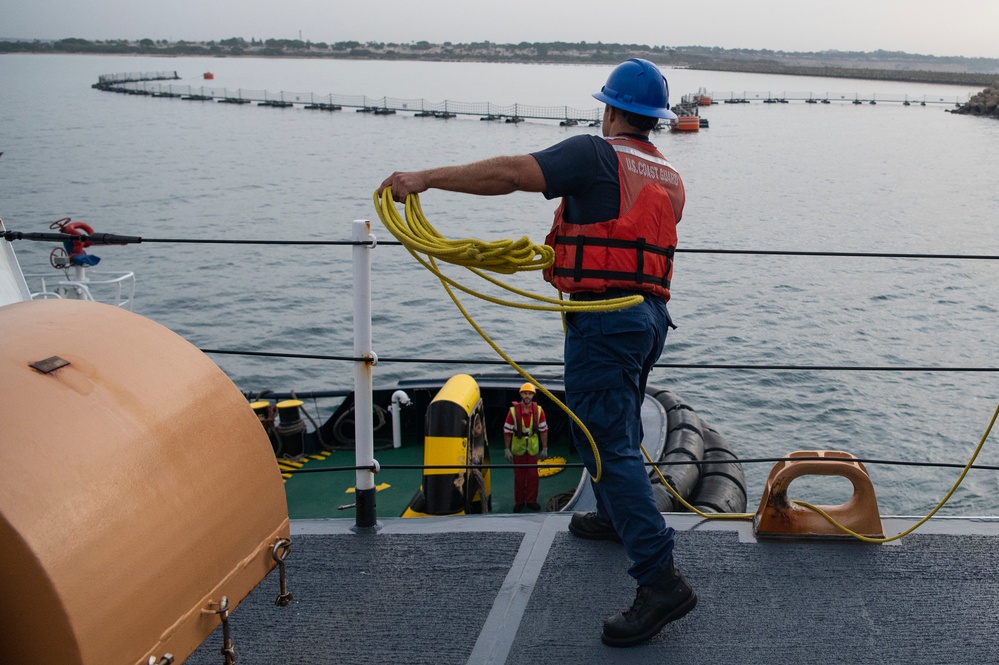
(111, 288)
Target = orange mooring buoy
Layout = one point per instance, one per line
(209, 76)
(687, 123)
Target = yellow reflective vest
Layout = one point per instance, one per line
(525, 439)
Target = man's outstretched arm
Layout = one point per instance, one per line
(489, 177)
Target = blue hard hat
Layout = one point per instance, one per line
(639, 87)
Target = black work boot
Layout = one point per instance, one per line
(592, 527)
(667, 599)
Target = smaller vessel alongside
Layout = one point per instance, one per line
(432, 441)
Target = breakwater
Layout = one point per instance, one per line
(864, 73)
(984, 103)
(809, 97)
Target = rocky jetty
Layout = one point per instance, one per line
(984, 103)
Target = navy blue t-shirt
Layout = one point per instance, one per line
(583, 170)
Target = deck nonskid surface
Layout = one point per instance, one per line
(521, 589)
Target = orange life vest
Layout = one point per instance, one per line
(633, 252)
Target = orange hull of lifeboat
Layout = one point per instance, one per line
(126, 519)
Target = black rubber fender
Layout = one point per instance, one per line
(684, 418)
(722, 487)
(667, 398)
(724, 461)
(684, 443)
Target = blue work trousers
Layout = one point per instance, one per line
(608, 357)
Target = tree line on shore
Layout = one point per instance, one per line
(877, 65)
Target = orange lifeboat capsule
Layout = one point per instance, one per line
(126, 530)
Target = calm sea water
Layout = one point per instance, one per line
(839, 177)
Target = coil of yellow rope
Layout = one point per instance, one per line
(418, 236)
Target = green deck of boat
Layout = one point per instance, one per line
(314, 495)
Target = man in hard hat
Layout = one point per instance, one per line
(525, 440)
(614, 234)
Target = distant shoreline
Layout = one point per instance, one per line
(770, 67)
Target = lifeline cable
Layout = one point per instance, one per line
(558, 363)
(115, 239)
(687, 462)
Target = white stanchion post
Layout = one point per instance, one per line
(364, 446)
(399, 399)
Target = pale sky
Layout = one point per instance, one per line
(932, 27)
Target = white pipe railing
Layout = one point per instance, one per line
(364, 450)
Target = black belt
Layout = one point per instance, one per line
(605, 295)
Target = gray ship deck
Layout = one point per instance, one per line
(521, 589)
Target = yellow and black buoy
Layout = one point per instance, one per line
(454, 451)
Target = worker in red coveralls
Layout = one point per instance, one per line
(525, 437)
